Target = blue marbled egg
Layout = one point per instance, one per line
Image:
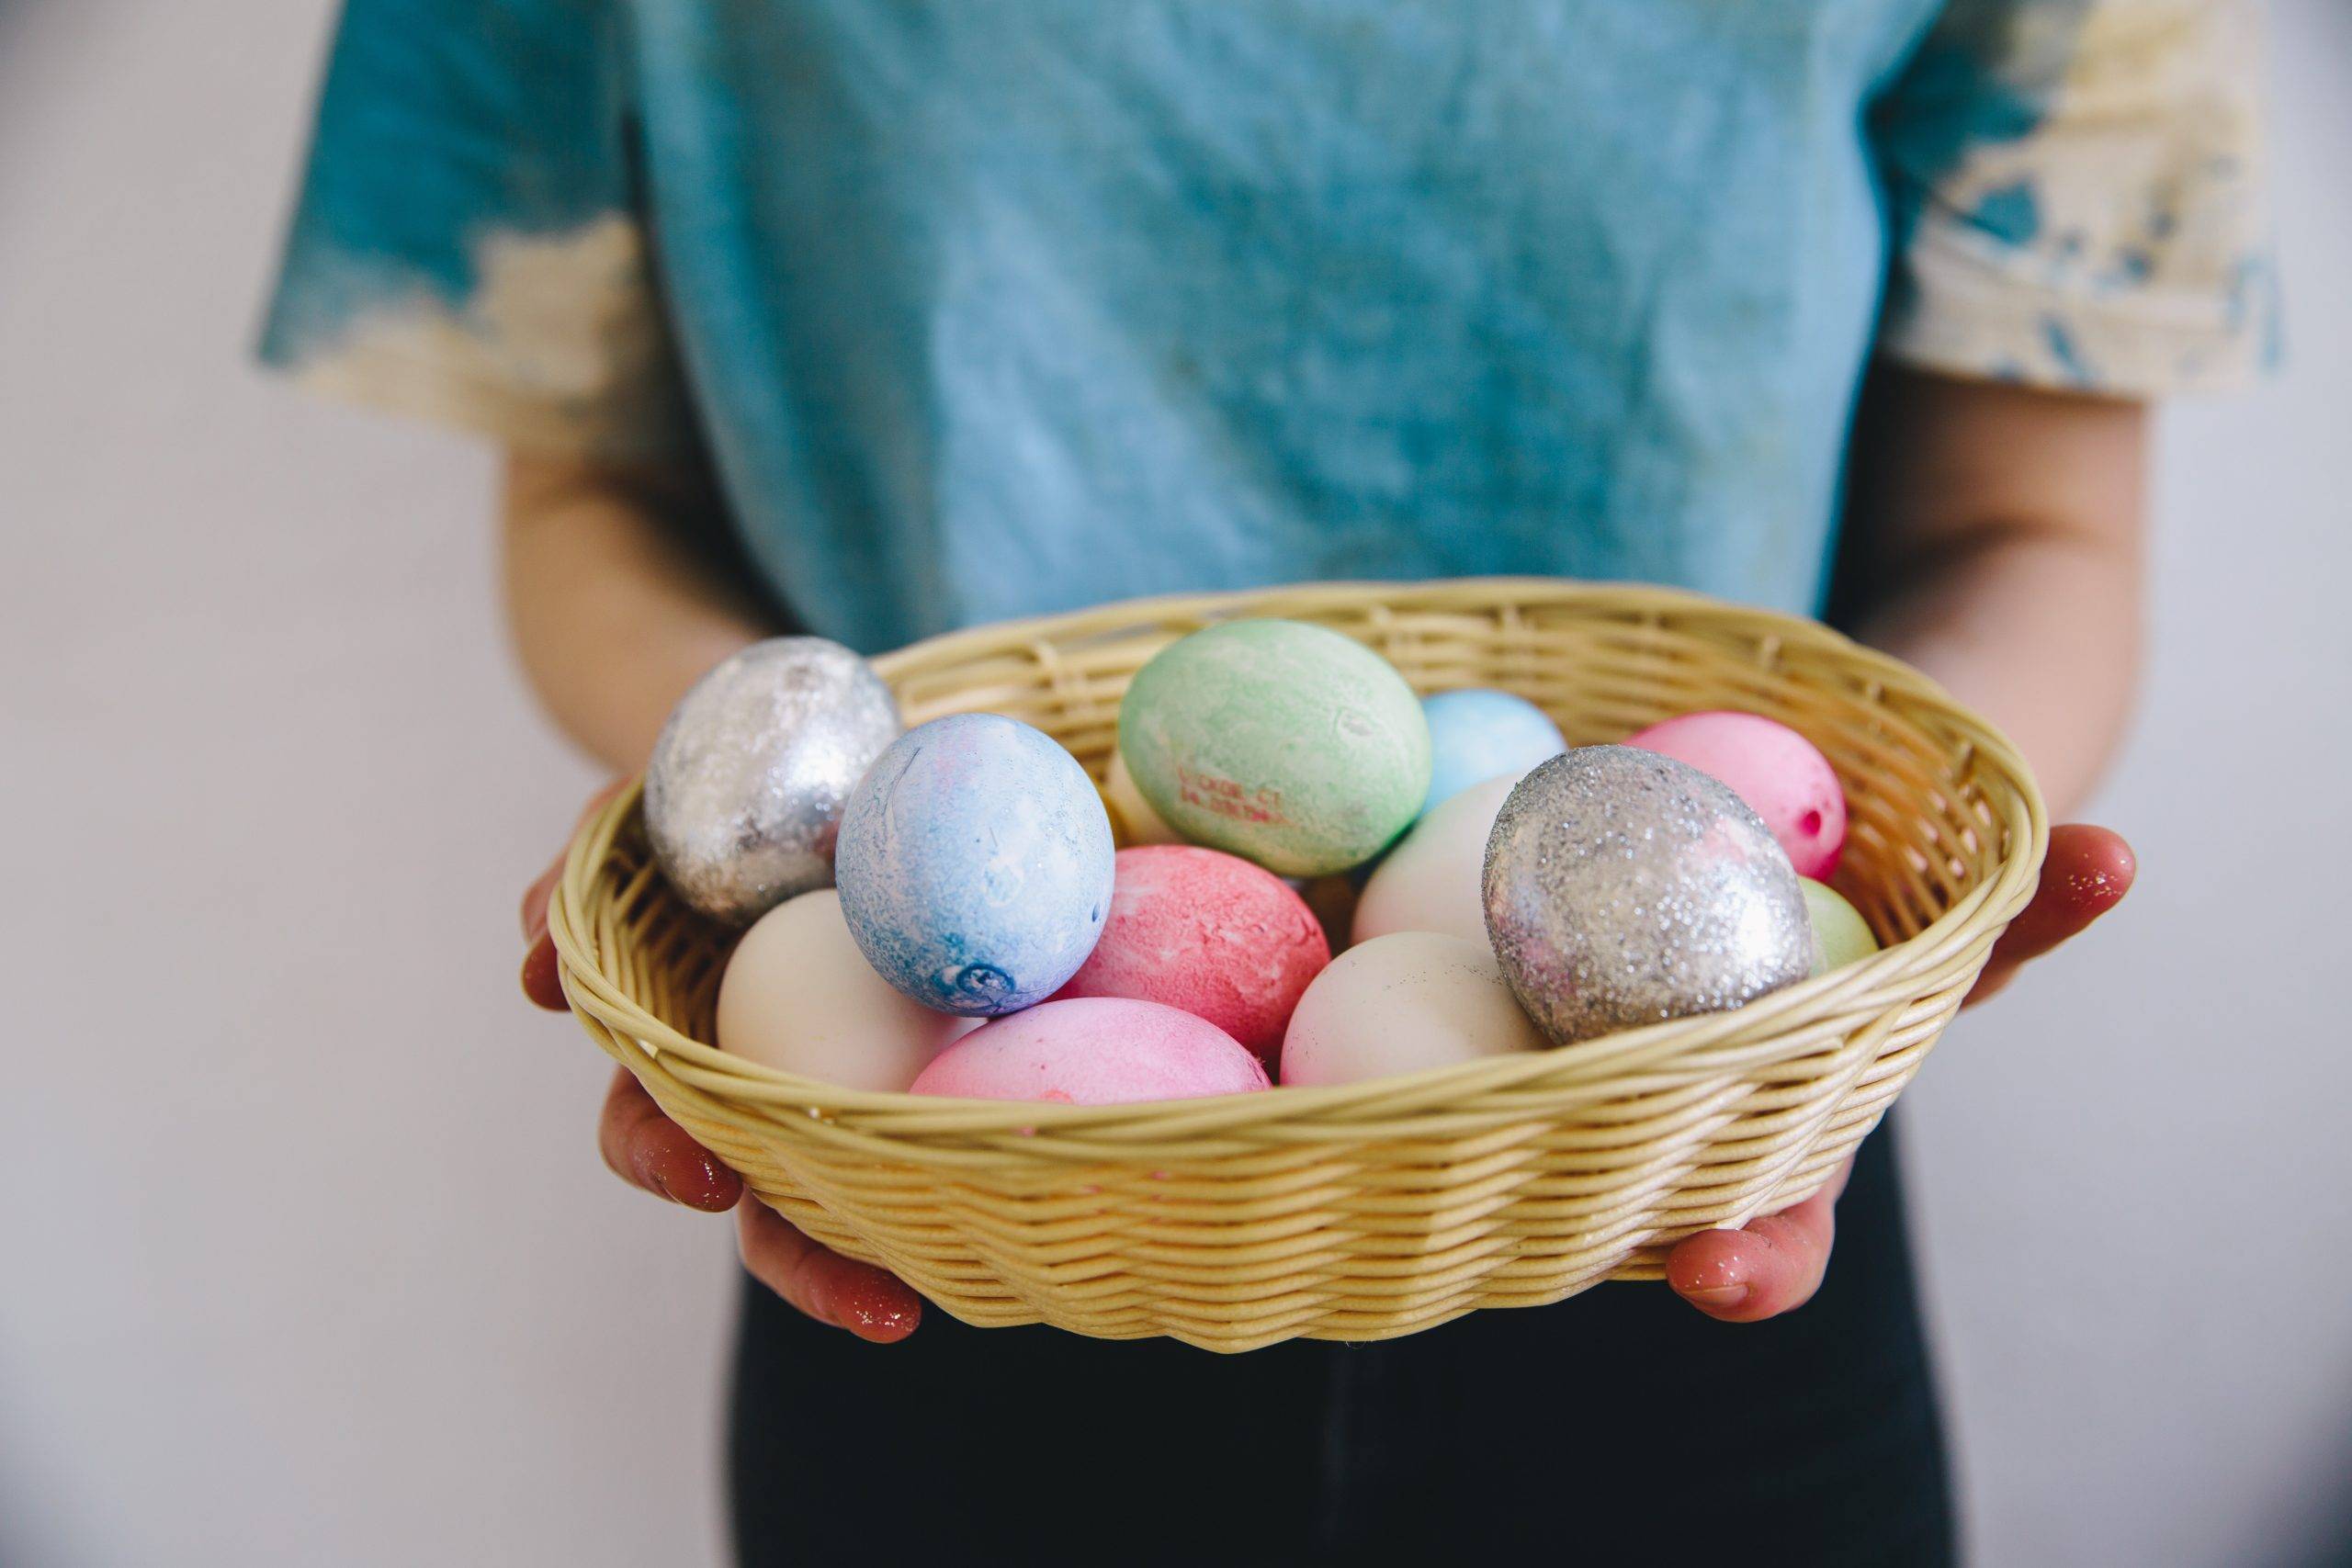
(1478, 734)
(974, 864)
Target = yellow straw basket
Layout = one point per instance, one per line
(1371, 1209)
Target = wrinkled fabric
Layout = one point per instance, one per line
(986, 310)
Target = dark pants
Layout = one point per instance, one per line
(1617, 1425)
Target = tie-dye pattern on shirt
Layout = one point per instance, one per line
(2079, 186)
(982, 310)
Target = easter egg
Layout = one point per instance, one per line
(1781, 774)
(1841, 935)
(1093, 1051)
(748, 780)
(1431, 881)
(1400, 1003)
(1209, 933)
(1478, 734)
(1284, 743)
(1624, 887)
(797, 995)
(1132, 817)
(974, 864)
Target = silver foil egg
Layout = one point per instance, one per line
(744, 795)
(1624, 887)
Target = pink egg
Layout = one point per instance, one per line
(1782, 775)
(1093, 1051)
(1209, 933)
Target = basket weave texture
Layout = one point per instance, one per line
(1372, 1209)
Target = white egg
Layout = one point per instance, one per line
(1130, 812)
(799, 997)
(1430, 880)
(1400, 1003)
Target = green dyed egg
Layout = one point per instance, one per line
(1282, 742)
(1841, 935)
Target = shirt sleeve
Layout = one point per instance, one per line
(2077, 195)
(468, 246)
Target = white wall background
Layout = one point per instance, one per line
(305, 1254)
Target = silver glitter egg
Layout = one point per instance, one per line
(744, 795)
(1624, 887)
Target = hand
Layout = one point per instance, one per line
(1776, 1263)
(646, 1149)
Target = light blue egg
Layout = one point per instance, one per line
(974, 864)
(1478, 734)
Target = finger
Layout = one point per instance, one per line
(536, 897)
(871, 1303)
(540, 971)
(2086, 872)
(535, 901)
(543, 976)
(1771, 1266)
(646, 1149)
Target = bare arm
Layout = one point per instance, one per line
(1999, 546)
(613, 614)
(1995, 544)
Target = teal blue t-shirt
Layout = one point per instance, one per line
(986, 308)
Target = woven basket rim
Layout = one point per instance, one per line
(1822, 1002)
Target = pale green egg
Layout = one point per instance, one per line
(1286, 743)
(1841, 935)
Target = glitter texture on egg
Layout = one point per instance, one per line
(1624, 887)
(744, 793)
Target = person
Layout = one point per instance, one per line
(876, 317)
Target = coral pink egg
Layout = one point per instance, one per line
(1093, 1051)
(1782, 775)
(1209, 933)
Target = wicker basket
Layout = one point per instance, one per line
(1371, 1209)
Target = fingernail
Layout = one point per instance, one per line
(881, 1310)
(542, 976)
(1719, 1296)
(708, 1187)
(648, 1170)
(526, 977)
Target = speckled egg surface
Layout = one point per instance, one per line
(1286, 743)
(1093, 1051)
(1210, 934)
(1781, 774)
(1477, 735)
(974, 864)
(1624, 887)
